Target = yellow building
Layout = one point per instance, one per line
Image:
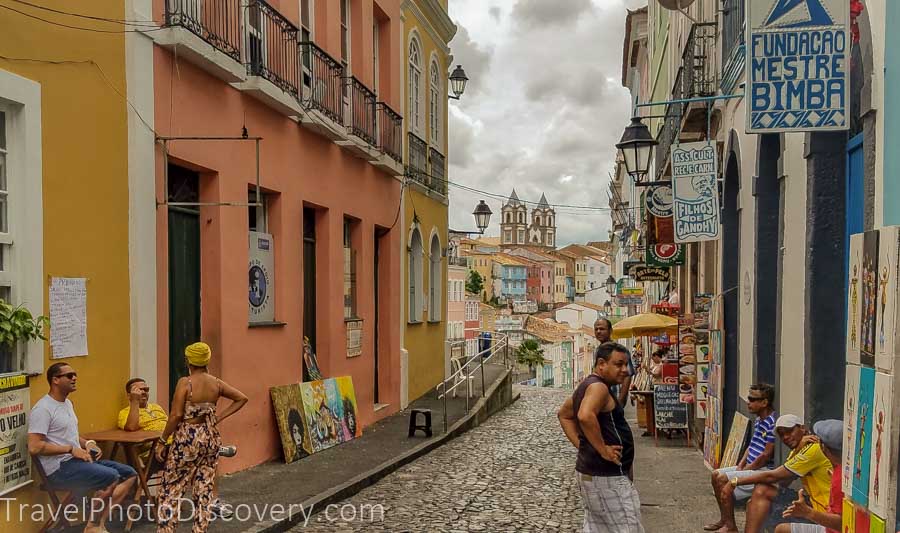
(481, 262)
(427, 33)
(69, 157)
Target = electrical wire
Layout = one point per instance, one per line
(62, 25)
(90, 17)
(99, 69)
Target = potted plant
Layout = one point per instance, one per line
(18, 327)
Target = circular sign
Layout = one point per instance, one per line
(259, 285)
(659, 201)
(748, 290)
(666, 251)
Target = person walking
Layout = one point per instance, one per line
(593, 420)
(193, 456)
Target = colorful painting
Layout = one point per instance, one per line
(702, 392)
(702, 353)
(310, 362)
(881, 445)
(848, 518)
(888, 261)
(851, 400)
(701, 410)
(869, 298)
(861, 523)
(702, 372)
(350, 420)
(876, 525)
(288, 405)
(854, 290)
(736, 438)
(862, 454)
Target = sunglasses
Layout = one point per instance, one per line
(67, 375)
(754, 399)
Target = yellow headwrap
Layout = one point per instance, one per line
(198, 354)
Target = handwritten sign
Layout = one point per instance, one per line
(669, 412)
(15, 462)
(68, 317)
(798, 65)
(694, 171)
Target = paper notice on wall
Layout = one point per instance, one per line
(68, 317)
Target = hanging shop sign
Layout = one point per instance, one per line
(14, 410)
(659, 201)
(261, 271)
(696, 193)
(798, 65)
(649, 273)
(628, 266)
(632, 291)
(665, 255)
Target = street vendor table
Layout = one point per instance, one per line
(130, 442)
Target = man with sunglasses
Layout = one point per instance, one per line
(757, 457)
(70, 462)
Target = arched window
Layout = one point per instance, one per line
(508, 216)
(434, 281)
(521, 218)
(416, 293)
(550, 220)
(414, 108)
(436, 104)
(537, 219)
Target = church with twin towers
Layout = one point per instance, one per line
(516, 230)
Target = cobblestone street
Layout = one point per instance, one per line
(516, 473)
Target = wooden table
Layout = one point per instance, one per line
(130, 442)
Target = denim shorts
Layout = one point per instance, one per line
(82, 476)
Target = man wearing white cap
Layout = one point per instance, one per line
(830, 434)
(806, 461)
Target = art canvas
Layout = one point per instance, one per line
(861, 524)
(702, 372)
(736, 438)
(287, 402)
(702, 392)
(854, 298)
(848, 517)
(350, 421)
(702, 353)
(320, 419)
(701, 410)
(869, 298)
(862, 453)
(886, 331)
(876, 525)
(881, 445)
(851, 400)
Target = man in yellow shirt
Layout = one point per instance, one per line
(807, 462)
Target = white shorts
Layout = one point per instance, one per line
(741, 492)
(807, 528)
(611, 504)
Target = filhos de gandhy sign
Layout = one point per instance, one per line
(696, 194)
(798, 65)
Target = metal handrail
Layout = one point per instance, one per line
(466, 372)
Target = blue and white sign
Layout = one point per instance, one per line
(695, 192)
(798, 65)
(261, 272)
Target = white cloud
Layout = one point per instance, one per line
(546, 110)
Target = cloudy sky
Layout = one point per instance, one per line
(543, 110)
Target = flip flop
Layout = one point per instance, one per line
(713, 527)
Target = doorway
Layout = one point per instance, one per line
(731, 283)
(184, 269)
(309, 282)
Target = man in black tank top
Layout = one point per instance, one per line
(594, 422)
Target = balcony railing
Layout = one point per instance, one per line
(458, 261)
(671, 124)
(438, 172)
(418, 159)
(698, 60)
(322, 82)
(218, 23)
(362, 111)
(271, 50)
(390, 132)
(732, 43)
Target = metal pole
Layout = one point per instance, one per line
(482, 377)
(445, 407)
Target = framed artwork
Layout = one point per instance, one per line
(288, 406)
(886, 330)
(848, 517)
(735, 444)
(881, 445)
(851, 399)
(869, 298)
(862, 452)
(854, 298)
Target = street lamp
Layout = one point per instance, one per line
(482, 216)
(482, 219)
(458, 81)
(611, 285)
(607, 306)
(636, 147)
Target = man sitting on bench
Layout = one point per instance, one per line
(64, 456)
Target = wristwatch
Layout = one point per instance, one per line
(734, 481)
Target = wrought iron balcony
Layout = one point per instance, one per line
(218, 23)
(271, 50)
(438, 172)
(700, 76)
(322, 82)
(671, 125)
(362, 111)
(390, 132)
(418, 159)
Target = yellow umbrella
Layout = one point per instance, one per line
(644, 324)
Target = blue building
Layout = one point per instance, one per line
(513, 278)
(570, 288)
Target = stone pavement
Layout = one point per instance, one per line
(516, 473)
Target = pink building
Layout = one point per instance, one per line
(473, 323)
(456, 304)
(299, 96)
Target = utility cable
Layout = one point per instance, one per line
(148, 23)
(82, 28)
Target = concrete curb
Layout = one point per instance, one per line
(483, 409)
